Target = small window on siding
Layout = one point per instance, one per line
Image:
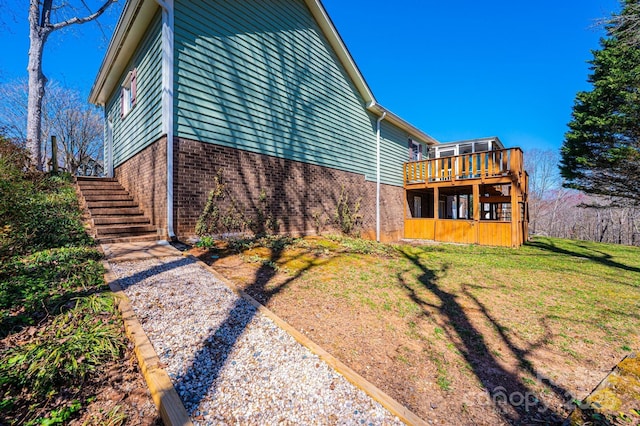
(415, 150)
(128, 97)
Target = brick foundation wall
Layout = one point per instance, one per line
(294, 191)
(145, 177)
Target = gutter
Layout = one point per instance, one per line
(394, 119)
(384, 114)
(119, 46)
(167, 101)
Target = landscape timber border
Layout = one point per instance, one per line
(162, 391)
(393, 406)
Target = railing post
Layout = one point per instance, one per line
(483, 165)
(54, 155)
(404, 174)
(514, 166)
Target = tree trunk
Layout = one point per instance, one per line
(37, 81)
(40, 26)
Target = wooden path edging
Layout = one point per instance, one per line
(394, 407)
(162, 391)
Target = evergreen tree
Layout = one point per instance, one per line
(601, 150)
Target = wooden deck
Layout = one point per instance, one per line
(487, 167)
(471, 173)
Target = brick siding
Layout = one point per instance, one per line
(295, 191)
(145, 177)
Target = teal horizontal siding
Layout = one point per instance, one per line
(394, 146)
(143, 124)
(260, 76)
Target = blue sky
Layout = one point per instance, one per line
(457, 70)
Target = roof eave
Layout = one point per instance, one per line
(124, 41)
(328, 28)
(488, 138)
(127, 37)
(395, 119)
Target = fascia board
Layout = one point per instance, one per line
(129, 31)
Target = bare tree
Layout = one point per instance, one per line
(77, 125)
(559, 212)
(41, 25)
(575, 215)
(13, 110)
(78, 128)
(544, 181)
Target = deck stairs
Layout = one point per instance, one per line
(114, 216)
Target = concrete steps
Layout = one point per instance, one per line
(115, 216)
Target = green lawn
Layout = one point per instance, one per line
(457, 326)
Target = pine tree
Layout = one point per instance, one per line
(601, 150)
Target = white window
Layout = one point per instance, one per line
(482, 146)
(415, 151)
(447, 152)
(466, 148)
(128, 96)
(417, 206)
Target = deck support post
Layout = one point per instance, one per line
(436, 203)
(476, 203)
(515, 216)
(476, 212)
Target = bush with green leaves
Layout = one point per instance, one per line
(32, 286)
(36, 211)
(70, 347)
(57, 317)
(347, 214)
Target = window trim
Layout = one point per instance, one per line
(128, 93)
(417, 154)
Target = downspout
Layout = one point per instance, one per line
(167, 101)
(108, 125)
(384, 114)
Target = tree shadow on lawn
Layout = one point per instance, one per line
(208, 362)
(594, 255)
(31, 293)
(515, 402)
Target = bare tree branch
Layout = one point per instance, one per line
(76, 20)
(626, 25)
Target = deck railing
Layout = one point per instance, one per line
(502, 162)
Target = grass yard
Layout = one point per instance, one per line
(459, 334)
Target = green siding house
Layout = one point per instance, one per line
(261, 92)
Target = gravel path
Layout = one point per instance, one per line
(229, 363)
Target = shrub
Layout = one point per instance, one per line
(49, 278)
(361, 246)
(347, 215)
(208, 222)
(36, 211)
(265, 223)
(46, 280)
(224, 214)
(70, 347)
(206, 241)
(15, 191)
